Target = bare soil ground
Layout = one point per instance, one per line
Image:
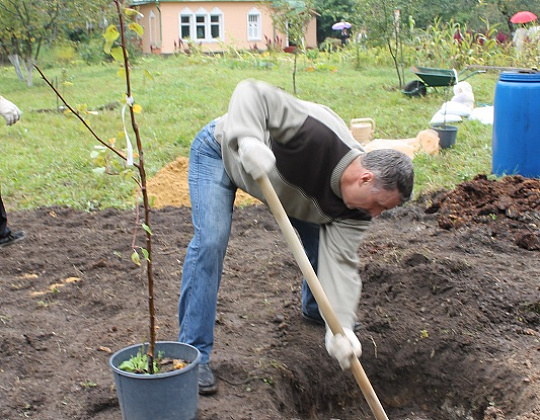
(450, 312)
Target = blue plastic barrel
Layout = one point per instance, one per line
(516, 125)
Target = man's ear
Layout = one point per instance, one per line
(367, 176)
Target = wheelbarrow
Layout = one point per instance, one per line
(434, 78)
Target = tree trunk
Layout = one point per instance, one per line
(294, 71)
(395, 61)
(29, 71)
(14, 60)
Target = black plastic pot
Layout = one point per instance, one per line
(165, 396)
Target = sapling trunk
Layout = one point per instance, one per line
(142, 174)
(142, 183)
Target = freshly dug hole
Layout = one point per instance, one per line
(427, 358)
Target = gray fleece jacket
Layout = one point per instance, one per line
(313, 146)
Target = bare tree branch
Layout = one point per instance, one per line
(76, 113)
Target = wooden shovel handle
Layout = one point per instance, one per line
(320, 296)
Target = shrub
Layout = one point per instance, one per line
(64, 53)
(452, 45)
(91, 52)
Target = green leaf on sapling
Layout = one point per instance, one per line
(133, 12)
(136, 28)
(146, 228)
(135, 258)
(111, 34)
(118, 54)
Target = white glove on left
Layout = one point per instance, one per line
(256, 157)
(9, 111)
(343, 347)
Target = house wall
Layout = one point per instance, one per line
(162, 26)
(151, 23)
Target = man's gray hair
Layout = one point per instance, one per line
(393, 170)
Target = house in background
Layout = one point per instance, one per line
(214, 25)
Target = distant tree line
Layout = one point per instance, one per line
(26, 26)
(367, 14)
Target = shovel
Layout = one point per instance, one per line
(324, 304)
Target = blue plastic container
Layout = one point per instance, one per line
(164, 396)
(516, 125)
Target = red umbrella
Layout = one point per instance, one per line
(523, 17)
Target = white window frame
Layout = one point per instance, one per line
(186, 12)
(221, 33)
(254, 28)
(201, 13)
(206, 23)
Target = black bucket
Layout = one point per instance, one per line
(447, 135)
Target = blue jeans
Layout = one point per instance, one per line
(212, 196)
(309, 235)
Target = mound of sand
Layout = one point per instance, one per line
(169, 187)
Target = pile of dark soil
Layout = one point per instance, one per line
(510, 208)
(450, 313)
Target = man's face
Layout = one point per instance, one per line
(366, 196)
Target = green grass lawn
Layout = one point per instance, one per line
(45, 158)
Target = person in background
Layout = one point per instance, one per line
(330, 189)
(344, 36)
(11, 114)
(520, 38)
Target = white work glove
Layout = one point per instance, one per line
(9, 111)
(256, 157)
(343, 347)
